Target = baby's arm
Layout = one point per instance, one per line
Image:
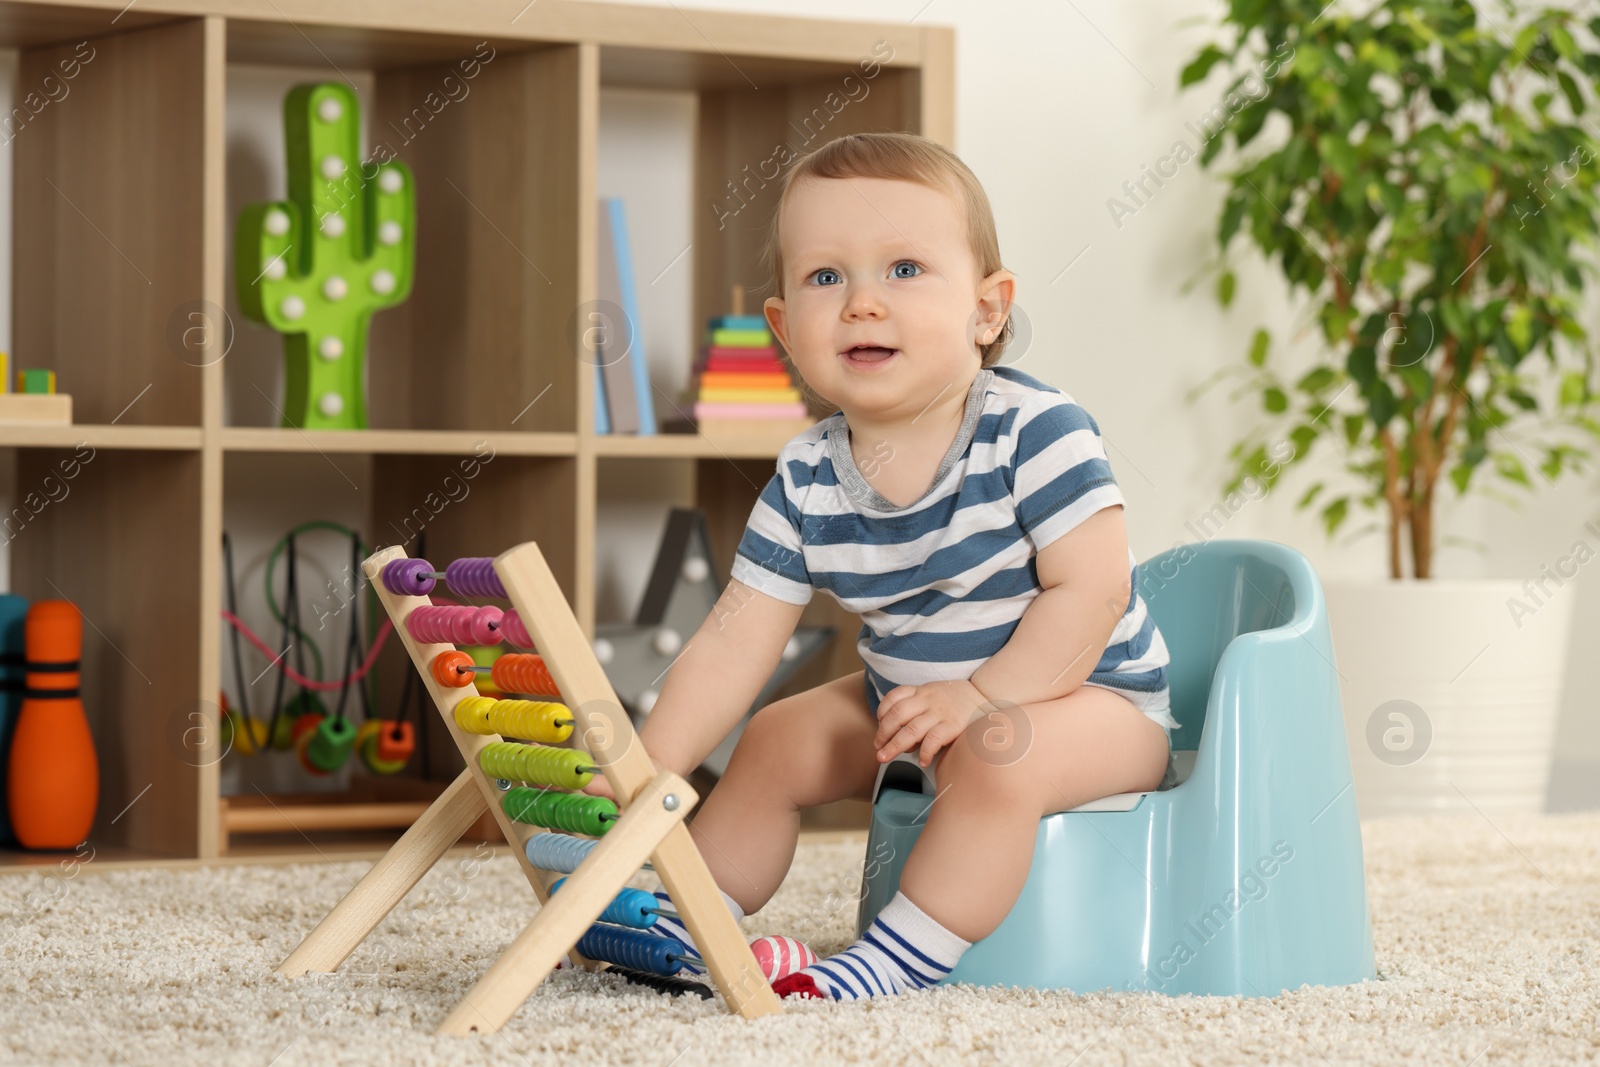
(1085, 588)
(716, 677)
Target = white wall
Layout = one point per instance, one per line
(1056, 106)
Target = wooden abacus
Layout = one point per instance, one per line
(649, 825)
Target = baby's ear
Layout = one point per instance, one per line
(773, 308)
(996, 295)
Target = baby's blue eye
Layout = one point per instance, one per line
(906, 263)
(824, 270)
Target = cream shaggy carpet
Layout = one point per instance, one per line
(1487, 940)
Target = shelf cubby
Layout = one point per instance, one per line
(122, 543)
(109, 223)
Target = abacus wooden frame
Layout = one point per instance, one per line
(651, 827)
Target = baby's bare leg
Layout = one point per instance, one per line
(808, 749)
(969, 865)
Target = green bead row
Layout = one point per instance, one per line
(565, 768)
(560, 811)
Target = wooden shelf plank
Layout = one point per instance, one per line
(261, 819)
(31, 25)
(44, 435)
(752, 48)
(404, 442)
(685, 446)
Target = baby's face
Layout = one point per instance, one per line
(874, 261)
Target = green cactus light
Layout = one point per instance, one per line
(316, 266)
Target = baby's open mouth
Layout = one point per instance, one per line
(868, 353)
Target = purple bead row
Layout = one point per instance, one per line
(474, 576)
(408, 577)
(471, 576)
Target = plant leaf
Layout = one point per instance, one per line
(1200, 65)
(1382, 404)
(1519, 327)
(1573, 389)
(1362, 365)
(1569, 89)
(1334, 513)
(1225, 286)
(1302, 437)
(1316, 380)
(1509, 466)
(1353, 425)
(1232, 215)
(1258, 348)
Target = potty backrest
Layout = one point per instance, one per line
(1204, 595)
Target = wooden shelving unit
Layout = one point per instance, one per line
(121, 224)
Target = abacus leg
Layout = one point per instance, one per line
(389, 880)
(718, 937)
(566, 915)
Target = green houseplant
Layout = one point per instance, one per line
(1431, 175)
(1425, 180)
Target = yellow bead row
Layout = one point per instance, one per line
(544, 721)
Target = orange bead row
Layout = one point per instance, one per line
(513, 672)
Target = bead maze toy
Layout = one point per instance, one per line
(316, 266)
(322, 743)
(649, 824)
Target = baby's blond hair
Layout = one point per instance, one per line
(904, 157)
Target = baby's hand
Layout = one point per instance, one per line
(599, 787)
(930, 715)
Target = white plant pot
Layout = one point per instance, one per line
(1451, 688)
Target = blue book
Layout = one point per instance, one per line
(630, 307)
(602, 417)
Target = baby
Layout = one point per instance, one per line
(968, 513)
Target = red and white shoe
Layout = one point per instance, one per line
(779, 957)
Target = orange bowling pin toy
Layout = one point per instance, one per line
(54, 780)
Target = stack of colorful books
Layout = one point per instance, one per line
(741, 379)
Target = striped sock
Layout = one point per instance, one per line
(903, 949)
(666, 926)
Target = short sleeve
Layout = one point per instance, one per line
(1059, 471)
(769, 558)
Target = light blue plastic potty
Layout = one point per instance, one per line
(1246, 877)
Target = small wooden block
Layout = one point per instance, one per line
(773, 433)
(36, 381)
(54, 408)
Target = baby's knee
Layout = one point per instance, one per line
(769, 738)
(983, 772)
